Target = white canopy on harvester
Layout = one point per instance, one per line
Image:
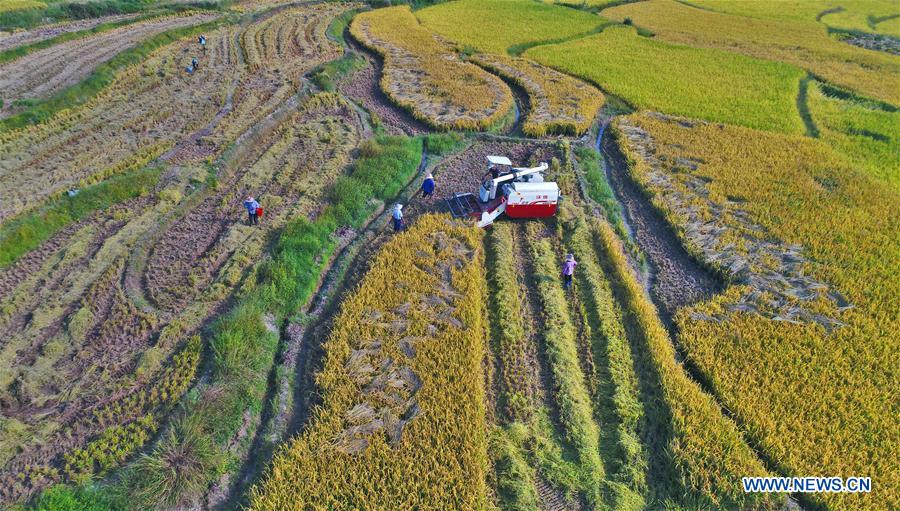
(499, 160)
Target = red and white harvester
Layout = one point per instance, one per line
(519, 192)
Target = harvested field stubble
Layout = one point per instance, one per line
(46, 71)
(423, 74)
(402, 423)
(103, 313)
(558, 103)
(18, 38)
(803, 303)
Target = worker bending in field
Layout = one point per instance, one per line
(397, 217)
(568, 270)
(428, 186)
(195, 63)
(252, 210)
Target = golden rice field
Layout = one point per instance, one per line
(827, 407)
(728, 173)
(402, 423)
(873, 74)
(18, 5)
(505, 26)
(422, 75)
(558, 103)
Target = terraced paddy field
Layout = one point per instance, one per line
(728, 174)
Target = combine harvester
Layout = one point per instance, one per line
(523, 193)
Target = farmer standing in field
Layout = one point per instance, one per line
(252, 210)
(568, 270)
(428, 186)
(397, 217)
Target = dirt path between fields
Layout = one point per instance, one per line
(675, 279)
(41, 73)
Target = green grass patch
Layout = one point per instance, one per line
(650, 74)
(327, 75)
(40, 111)
(25, 233)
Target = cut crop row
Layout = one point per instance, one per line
(558, 103)
(46, 71)
(423, 75)
(572, 396)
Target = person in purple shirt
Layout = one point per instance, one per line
(568, 270)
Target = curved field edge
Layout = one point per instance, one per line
(558, 104)
(423, 75)
(403, 418)
(41, 111)
(241, 346)
(734, 339)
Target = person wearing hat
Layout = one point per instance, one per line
(252, 208)
(428, 186)
(397, 217)
(568, 270)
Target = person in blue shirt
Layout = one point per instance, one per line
(397, 217)
(428, 186)
(252, 207)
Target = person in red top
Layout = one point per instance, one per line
(568, 270)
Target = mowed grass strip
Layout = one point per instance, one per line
(351, 456)
(425, 76)
(817, 402)
(707, 84)
(871, 73)
(505, 26)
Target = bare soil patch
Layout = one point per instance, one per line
(676, 279)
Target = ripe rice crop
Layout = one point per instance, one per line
(656, 75)
(868, 134)
(505, 26)
(804, 45)
(875, 16)
(424, 76)
(828, 408)
(402, 424)
(558, 103)
(19, 5)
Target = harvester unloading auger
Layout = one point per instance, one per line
(517, 191)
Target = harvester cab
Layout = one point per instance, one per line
(517, 191)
